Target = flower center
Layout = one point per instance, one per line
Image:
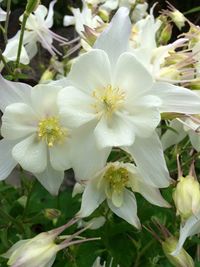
(117, 178)
(108, 100)
(50, 131)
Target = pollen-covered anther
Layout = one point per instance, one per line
(117, 178)
(50, 131)
(108, 100)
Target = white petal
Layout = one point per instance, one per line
(128, 210)
(152, 195)
(50, 179)
(31, 154)
(171, 137)
(115, 39)
(91, 199)
(191, 227)
(195, 140)
(148, 156)
(75, 107)
(87, 158)
(44, 99)
(176, 99)
(131, 76)
(7, 162)
(60, 156)
(144, 115)
(49, 18)
(10, 52)
(114, 131)
(18, 120)
(41, 12)
(91, 71)
(13, 92)
(68, 20)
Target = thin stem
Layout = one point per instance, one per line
(25, 17)
(140, 254)
(5, 63)
(7, 21)
(9, 218)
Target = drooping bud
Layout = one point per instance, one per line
(41, 250)
(183, 259)
(52, 214)
(186, 197)
(31, 6)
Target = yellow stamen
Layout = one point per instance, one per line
(117, 178)
(108, 100)
(50, 131)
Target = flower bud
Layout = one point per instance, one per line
(183, 259)
(31, 6)
(186, 197)
(165, 35)
(52, 214)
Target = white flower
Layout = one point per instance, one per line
(139, 12)
(180, 128)
(2, 13)
(41, 250)
(81, 18)
(34, 134)
(38, 30)
(115, 99)
(114, 183)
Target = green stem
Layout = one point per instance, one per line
(28, 199)
(9, 218)
(25, 17)
(5, 63)
(7, 21)
(141, 253)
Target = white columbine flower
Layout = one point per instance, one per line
(2, 13)
(81, 18)
(38, 30)
(41, 250)
(180, 128)
(116, 100)
(97, 263)
(116, 183)
(34, 134)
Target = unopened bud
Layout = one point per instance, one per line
(165, 35)
(186, 197)
(52, 214)
(195, 84)
(31, 6)
(48, 75)
(104, 15)
(183, 259)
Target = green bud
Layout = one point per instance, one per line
(165, 35)
(52, 214)
(31, 6)
(183, 259)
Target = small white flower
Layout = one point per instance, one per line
(97, 263)
(114, 183)
(41, 250)
(38, 30)
(188, 125)
(34, 134)
(81, 18)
